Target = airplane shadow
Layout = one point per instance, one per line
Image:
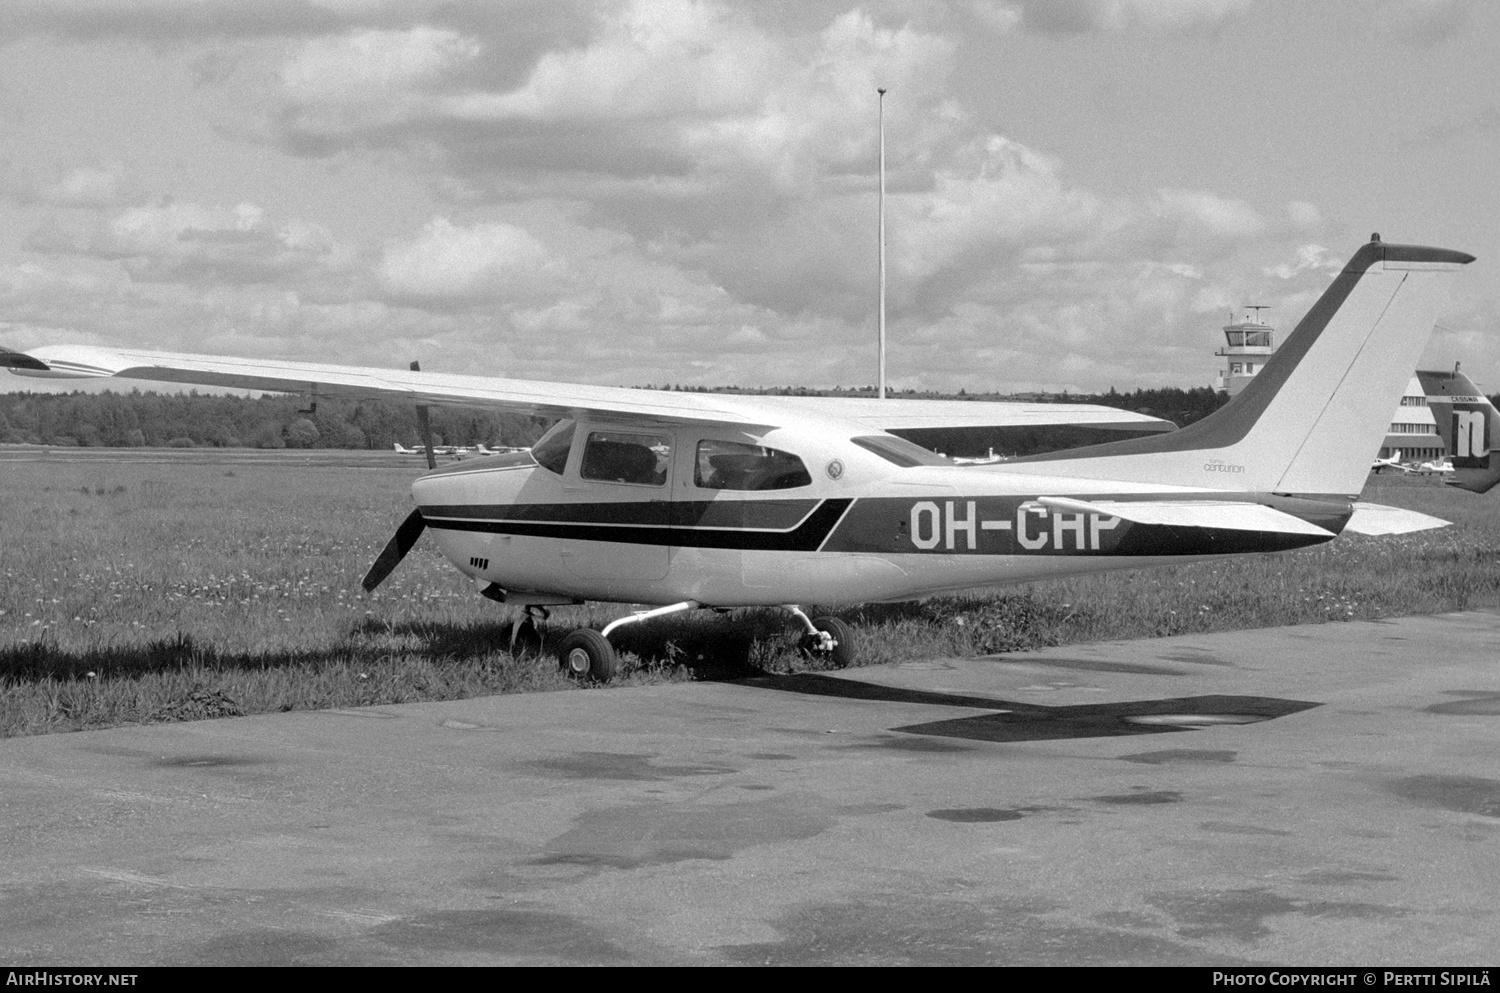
(1012, 721)
(714, 654)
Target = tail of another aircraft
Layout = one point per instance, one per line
(1311, 420)
(1470, 426)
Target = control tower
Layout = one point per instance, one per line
(1247, 348)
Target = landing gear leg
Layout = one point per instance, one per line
(826, 639)
(587, 654)
(525, 632)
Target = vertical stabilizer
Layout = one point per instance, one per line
(1468, 424)
(1309, 422)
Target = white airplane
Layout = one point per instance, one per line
(456, 450)
(1434, 467)
(1394, 462)
(678, 501)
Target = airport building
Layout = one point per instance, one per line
(1248, 346)
(1414, 431)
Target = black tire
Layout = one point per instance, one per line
(842, 653)
(586, 654)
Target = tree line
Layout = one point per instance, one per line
(124, 420)
(193, 420)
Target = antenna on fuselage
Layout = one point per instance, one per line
(881, 320)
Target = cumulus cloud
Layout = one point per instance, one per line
(188, 242)
(623, 188)
(374, 66)
(446, 262)
(658, 87)
(94, 186)
(654, 57)
(1080, 16)
(1308, 258)
(1200, 212)
(157, 19)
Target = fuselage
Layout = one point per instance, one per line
(727, 517)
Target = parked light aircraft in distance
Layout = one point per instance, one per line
(679, 501)
(1394, 462)
(1434, 467)
(457, 450)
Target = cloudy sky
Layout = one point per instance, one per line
(654, 191)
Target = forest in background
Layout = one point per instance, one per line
(193, 420)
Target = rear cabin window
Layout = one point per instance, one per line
(899, 451)
(730, 465)
(616, 457)
(551, 452)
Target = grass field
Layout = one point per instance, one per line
(153, 592)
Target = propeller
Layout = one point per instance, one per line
(395, 550)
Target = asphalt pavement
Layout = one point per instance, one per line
(1309, 795)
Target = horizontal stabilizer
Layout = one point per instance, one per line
(1225, 514)
(1376, 518)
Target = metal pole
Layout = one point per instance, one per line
(881, 393)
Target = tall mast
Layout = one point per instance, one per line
(881, 393)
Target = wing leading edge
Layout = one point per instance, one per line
(318, 380)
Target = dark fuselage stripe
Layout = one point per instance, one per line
(764, 515)
(806, 537)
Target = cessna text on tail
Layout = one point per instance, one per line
(684, 500)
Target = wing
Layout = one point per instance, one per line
(907, 415)
(318, 380)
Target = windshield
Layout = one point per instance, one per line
(551, 452)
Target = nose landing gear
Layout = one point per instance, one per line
(526, 633)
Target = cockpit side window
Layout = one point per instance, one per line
(551, 452)
(730, 465)
(899, 451)
(618, 457)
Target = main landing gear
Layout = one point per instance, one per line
(826, 639)
(586, 654)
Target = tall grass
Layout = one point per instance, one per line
(136, 593)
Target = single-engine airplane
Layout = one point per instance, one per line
(1434, 467)
(1394, 462)
(679, 501)
(459, 451)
